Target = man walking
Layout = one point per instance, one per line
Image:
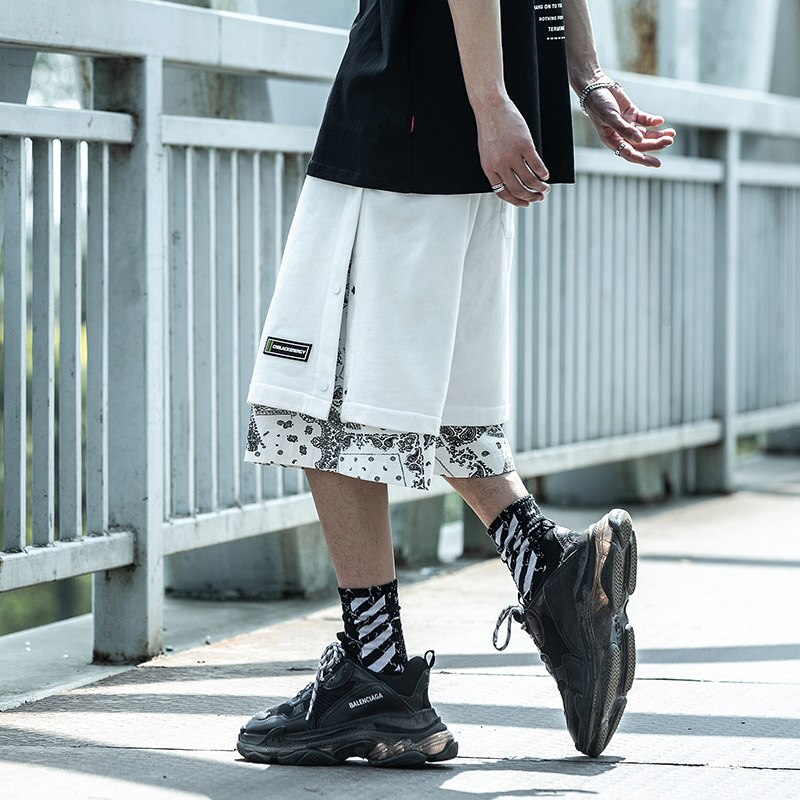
(384, 358)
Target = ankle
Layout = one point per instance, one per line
(372, 627)
(521, 534)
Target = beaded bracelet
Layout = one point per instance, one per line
(591, 87)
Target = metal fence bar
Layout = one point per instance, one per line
(716, 463)
(278, 218)
(569, 319)
(203, 214)
(694, 302)
(596, 310)
(525, 305)
(711, 260)
(664, 391)
(248, 200)
(14, 187)
(630, 311)
(227, 367)
(654, 309)
(294, 166)
(66, 559)
(615, 309)
(97, 269)
(270, 254)
(65, 124)
(237, 134)
(554, 363)
(791, 232)
(542, 315)
(43, 360)
(684, 362)
(644, 272)
(70, 406)
(768, 419)
(794, 295)
(608, 234)
(678, 275)
(580, 319)
(181, 371)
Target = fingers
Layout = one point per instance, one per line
(634, 151)
(626, 130)
(523, 179)
(529, 190)
(515, 193)
(655, 140)
(633, 154)
(645, 119)
(532, 178)
(629, 110)
(533, 161)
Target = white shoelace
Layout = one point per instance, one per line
(508, 615)
(330, 657)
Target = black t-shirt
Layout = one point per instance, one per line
(398, 116)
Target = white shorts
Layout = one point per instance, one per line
(428, 328)
(398, 458)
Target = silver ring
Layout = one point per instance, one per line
(499, 187)
(618, 151)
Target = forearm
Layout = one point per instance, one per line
(477, 27)
(582, 61)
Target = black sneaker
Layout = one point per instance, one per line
(349, 711)
(578, 619)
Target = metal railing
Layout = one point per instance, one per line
(666, 321)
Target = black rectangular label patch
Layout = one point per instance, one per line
(285, 348)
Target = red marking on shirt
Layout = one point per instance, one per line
(412, 124)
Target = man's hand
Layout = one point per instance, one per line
(508, 154)
(619, 122)
(504, 142)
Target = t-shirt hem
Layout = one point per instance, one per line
(390, 184)
(318, 170)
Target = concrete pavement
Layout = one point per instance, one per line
(714, 711)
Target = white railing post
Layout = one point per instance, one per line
(715, 464)
(14, 191)
(128, 602)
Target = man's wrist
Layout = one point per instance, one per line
(580, 77)
(488, 100)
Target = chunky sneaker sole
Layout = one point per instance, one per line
(611, 644)
(400, 742)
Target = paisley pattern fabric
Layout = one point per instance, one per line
(289, 438)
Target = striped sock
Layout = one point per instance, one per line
(520, 533)
(372, 624)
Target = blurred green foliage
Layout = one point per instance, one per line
(47, 602)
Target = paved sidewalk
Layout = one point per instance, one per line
(714, 712)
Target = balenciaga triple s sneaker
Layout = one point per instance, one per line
(350, 711)
(578, 619)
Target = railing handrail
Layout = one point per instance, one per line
(178, 34)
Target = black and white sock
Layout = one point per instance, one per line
(372, 624)
(524, 541)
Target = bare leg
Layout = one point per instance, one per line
(354, 515)
(488, 496)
